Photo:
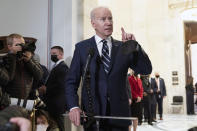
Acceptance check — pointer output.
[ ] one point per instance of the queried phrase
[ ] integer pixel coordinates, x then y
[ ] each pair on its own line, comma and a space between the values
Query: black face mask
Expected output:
157, 76
54, 58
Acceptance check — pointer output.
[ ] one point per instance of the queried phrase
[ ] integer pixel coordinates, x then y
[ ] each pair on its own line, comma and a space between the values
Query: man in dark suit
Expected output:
146, 98
55, 87
160, 92
108, 72
153, 101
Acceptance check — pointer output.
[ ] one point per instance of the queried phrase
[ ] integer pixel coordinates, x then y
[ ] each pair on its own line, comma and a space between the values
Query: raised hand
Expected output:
27, 55
126, 36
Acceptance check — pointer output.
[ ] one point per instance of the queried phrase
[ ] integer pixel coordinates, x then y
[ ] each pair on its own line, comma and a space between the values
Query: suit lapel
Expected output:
114, 51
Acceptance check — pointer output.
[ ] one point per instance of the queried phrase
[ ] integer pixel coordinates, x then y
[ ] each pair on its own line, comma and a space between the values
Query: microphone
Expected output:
86, 78
90, 55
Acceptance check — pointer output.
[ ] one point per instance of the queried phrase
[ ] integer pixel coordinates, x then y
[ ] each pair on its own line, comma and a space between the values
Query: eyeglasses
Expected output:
104, 19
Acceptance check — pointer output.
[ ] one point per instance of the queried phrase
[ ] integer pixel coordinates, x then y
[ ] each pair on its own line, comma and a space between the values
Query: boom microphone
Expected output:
90, 55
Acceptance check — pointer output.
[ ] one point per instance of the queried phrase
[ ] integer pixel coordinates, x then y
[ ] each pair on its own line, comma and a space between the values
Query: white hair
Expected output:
92, 13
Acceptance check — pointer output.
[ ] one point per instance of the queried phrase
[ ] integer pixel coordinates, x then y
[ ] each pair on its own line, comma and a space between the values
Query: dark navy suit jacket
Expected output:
161, 84
102, 85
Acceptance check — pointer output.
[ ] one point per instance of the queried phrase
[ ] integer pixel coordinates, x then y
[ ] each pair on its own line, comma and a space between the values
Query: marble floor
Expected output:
171, 122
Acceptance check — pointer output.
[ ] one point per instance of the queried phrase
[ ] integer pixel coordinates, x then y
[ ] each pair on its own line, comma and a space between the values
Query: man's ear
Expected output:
93, 23
61, 55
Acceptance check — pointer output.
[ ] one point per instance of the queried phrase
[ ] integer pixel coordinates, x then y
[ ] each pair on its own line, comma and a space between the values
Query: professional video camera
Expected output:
26, 47
9, 112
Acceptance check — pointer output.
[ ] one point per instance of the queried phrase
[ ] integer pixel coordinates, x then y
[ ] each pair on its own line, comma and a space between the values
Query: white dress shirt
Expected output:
99, 44
158, 82
54, 65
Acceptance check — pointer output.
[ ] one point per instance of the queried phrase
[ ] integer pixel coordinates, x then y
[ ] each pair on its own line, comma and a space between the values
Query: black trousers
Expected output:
153, 110
147, 108
159, 99
190, 102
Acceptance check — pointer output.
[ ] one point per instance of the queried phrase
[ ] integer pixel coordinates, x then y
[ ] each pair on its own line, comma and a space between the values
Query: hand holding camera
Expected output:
27, 55
24, 51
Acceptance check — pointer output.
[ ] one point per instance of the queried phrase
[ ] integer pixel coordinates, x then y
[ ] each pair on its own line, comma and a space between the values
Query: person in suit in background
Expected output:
160, 92
190, 95
146, 98
55, 87
108, 71
153, 101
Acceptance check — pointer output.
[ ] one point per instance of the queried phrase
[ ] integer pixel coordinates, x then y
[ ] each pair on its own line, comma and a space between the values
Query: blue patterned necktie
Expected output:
105, 56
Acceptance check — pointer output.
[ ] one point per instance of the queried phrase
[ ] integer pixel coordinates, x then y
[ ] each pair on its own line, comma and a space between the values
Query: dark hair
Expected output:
41, 112
59, 48
51, 122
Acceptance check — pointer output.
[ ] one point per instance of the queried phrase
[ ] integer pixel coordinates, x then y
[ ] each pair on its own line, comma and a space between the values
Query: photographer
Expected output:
23, 69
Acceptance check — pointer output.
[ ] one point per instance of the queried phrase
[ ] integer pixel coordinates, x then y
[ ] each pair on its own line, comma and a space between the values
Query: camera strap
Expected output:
25, 103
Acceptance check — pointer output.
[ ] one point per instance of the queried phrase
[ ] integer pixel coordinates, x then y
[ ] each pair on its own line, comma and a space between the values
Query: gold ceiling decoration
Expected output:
182, 4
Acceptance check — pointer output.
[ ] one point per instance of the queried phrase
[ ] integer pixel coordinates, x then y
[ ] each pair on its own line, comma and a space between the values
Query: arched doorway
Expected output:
190, 39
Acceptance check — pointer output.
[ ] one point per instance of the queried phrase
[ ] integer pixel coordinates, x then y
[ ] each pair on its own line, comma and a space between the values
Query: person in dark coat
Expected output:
146, 98
153, 101
160, 92
190, 95
55, 87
